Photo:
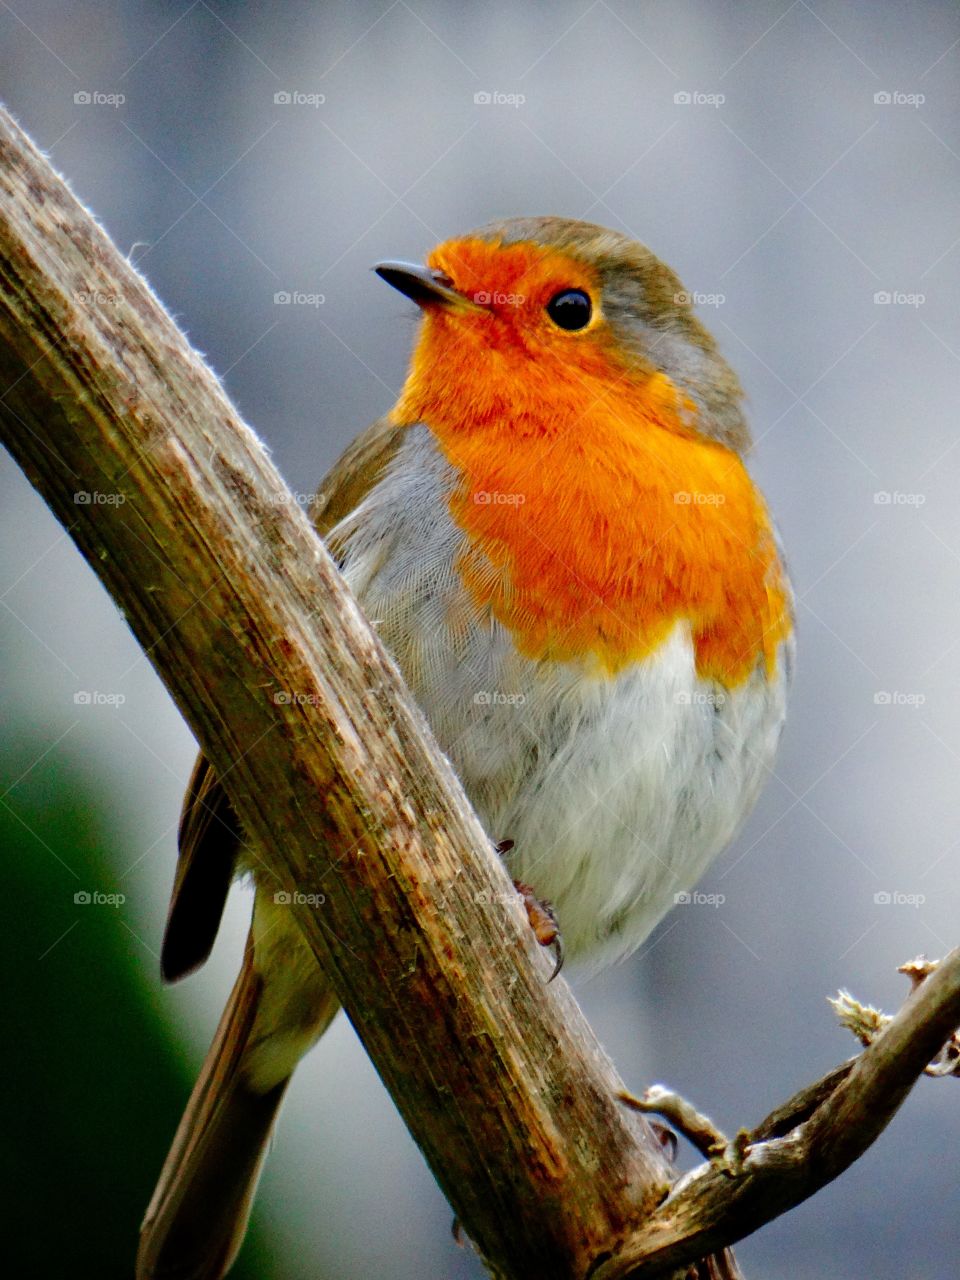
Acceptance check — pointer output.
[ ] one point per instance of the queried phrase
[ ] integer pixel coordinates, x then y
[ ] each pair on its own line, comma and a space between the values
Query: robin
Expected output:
556, 537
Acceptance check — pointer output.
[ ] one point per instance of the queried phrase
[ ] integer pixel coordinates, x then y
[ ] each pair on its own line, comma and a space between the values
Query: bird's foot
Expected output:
543, 922
542, 917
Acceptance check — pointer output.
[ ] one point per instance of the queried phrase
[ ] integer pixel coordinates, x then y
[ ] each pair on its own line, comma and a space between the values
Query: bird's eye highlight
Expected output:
570, 309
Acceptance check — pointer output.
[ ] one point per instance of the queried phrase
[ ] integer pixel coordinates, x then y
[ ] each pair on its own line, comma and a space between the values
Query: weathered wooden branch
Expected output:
175, 505
801, 1146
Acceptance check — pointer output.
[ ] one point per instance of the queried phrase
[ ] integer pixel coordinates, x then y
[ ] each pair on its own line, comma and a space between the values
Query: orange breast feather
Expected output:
596, 516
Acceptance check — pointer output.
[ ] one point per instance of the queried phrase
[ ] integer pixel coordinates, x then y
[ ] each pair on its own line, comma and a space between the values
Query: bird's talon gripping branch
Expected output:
542, 917
698, 1129
543, 921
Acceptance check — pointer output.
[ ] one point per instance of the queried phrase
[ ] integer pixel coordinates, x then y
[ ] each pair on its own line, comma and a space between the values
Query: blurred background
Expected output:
799, 165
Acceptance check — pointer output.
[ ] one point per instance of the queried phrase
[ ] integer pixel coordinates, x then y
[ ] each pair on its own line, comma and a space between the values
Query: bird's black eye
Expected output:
570, 309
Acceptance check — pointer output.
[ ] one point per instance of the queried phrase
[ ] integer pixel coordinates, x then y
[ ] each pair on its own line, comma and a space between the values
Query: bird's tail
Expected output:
196, 1221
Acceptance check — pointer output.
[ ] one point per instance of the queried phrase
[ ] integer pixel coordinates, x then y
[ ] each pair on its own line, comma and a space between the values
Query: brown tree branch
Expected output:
173, 502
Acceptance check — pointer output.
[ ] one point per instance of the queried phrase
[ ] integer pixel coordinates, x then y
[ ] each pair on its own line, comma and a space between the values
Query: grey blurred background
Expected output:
799, 165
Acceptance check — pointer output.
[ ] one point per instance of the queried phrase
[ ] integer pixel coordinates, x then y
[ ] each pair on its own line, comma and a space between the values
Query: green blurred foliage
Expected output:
94, 1085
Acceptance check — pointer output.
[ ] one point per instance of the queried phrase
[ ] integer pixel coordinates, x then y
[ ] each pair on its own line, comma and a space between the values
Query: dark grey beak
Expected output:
424, 286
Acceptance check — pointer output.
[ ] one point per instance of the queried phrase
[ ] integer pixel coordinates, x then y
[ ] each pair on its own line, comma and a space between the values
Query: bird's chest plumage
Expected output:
616, 786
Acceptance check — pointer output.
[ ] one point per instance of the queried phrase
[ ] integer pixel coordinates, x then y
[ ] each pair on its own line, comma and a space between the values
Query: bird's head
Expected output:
537, 322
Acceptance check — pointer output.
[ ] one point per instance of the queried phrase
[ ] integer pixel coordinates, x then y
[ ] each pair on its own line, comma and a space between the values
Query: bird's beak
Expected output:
424, 286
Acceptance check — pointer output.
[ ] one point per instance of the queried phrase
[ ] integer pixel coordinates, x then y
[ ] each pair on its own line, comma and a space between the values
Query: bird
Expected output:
556, 537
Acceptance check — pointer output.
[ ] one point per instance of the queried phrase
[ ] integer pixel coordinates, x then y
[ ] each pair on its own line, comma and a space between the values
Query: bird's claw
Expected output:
542, 917
543, 922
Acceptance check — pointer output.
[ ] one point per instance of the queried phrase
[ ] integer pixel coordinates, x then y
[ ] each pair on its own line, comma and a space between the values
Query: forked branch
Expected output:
802, 1145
